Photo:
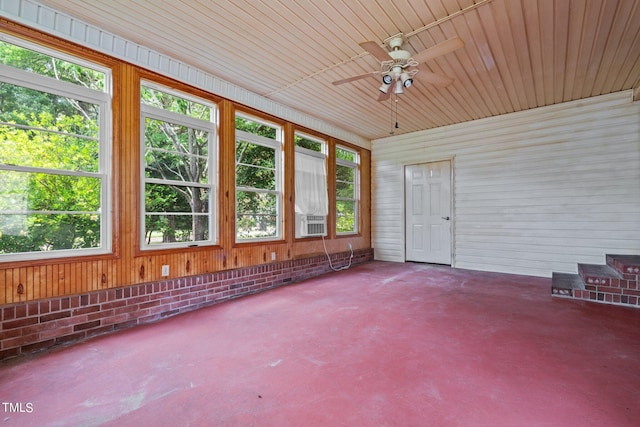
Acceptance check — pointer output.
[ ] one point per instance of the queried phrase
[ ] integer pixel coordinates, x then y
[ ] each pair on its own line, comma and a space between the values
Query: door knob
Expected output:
445, 218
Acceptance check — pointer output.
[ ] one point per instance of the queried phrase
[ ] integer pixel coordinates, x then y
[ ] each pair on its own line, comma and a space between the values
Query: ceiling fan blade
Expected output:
354, 78
439, 49
434, 79
384, 96
376, 50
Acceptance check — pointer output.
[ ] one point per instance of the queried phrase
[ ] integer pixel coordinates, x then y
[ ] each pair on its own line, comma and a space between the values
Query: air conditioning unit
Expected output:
313, 225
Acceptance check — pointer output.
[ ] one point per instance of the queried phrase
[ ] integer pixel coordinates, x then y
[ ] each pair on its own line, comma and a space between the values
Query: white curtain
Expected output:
311, 185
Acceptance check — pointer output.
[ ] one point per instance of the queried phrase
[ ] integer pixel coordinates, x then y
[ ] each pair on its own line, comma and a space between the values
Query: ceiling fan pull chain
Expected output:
396, 101
391, 117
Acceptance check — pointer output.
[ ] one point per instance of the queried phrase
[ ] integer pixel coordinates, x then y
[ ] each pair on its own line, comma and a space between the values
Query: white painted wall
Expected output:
534, 192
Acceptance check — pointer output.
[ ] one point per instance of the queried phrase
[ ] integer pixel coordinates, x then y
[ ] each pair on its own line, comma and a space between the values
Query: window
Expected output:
347, 162
258, 179
179, 149
55, 151
311, 200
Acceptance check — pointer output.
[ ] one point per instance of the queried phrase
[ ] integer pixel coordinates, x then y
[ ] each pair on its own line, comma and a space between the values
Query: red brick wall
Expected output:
38, 325
616, 291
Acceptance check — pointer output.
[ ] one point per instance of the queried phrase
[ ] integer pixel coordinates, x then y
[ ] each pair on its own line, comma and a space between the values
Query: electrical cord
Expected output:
344, 267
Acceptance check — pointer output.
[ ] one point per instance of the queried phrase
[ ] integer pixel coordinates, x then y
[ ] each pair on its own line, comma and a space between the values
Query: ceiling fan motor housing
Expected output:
400, 56
399, 60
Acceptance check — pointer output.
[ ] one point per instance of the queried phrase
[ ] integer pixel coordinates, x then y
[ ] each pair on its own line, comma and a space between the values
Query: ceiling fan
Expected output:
398, 67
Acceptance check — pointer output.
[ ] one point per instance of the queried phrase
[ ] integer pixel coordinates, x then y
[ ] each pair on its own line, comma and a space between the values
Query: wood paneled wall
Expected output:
128, 265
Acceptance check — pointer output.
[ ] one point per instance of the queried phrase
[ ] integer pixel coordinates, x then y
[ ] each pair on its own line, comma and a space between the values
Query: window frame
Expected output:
355, 165
277, 145
104, 99
322, 154
155, 113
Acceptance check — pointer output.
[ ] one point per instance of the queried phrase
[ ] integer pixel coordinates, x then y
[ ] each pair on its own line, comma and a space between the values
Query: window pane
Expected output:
176, 104
309, 144
345, 179
167, 228
45, 65
169, 201
343, 154
345, 216
255, 154
255, 166
176, 152
176, 198
45, 192
344, 190
256, 215
249, 176
177, 138
49, 150
43, 110
35, 232
345, 173
256, 127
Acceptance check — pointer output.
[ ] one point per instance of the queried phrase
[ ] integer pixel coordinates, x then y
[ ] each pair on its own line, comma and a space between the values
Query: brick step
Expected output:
625, 264
618, 282
599, 275
566, 284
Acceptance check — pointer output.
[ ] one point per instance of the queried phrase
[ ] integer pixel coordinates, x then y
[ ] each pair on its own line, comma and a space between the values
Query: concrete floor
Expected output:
382, 344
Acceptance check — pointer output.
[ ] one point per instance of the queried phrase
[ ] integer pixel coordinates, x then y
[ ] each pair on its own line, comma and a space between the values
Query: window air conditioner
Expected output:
314, 225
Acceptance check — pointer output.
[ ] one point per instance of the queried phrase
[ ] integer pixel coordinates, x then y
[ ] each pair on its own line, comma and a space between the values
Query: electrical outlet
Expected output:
273, 256
165, 270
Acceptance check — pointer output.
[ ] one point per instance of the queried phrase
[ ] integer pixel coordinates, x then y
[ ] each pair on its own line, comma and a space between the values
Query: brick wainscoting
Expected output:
39, 325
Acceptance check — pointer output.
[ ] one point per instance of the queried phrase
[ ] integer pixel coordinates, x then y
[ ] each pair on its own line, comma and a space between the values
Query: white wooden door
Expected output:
428, 212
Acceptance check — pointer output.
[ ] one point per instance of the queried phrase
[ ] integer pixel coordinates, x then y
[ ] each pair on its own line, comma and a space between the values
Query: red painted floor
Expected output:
382, 344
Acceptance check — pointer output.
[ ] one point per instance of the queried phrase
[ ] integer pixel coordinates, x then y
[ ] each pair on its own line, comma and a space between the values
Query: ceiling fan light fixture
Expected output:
398, 90
387, 79
385, 87
406, 80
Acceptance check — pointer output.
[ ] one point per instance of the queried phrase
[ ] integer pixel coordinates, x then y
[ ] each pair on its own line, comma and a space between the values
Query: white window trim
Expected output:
148, 111
317, 154
103, 99
356, 189
276, 144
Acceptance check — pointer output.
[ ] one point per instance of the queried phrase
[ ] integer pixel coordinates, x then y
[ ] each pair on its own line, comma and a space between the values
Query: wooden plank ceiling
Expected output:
518, 54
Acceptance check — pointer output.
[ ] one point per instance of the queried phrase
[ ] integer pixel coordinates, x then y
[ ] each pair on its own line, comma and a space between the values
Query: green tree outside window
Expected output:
51, 182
